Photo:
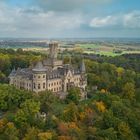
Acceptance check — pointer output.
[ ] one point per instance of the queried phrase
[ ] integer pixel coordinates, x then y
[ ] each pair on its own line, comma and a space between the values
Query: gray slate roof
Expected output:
53, 74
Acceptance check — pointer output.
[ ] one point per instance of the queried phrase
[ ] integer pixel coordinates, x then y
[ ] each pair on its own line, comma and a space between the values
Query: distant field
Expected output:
102, 53
108, 50
89, 46
101, 49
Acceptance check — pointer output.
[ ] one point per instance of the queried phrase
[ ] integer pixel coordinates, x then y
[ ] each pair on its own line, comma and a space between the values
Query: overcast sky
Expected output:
69, 18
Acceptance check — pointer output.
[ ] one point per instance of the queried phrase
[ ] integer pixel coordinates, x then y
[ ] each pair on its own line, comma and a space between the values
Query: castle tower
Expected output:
53, 50
83, 75
52, 62
39, 78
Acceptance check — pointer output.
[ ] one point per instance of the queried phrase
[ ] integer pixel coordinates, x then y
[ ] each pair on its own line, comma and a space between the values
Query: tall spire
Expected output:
83, 68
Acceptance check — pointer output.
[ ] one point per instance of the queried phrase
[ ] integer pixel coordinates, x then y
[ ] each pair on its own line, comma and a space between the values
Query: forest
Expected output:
110, 112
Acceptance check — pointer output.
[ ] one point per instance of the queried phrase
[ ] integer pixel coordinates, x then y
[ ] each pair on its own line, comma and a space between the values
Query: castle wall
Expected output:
21, 83
54, 85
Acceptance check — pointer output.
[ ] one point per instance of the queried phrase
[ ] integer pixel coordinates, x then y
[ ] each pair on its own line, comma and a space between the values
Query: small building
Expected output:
50, 74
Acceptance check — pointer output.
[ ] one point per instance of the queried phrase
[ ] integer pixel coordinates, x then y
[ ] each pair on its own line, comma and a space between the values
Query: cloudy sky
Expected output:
69, 18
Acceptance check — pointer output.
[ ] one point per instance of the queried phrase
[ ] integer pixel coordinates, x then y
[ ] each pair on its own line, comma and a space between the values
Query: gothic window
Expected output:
38, 86
38, 77
43, 85
43, 76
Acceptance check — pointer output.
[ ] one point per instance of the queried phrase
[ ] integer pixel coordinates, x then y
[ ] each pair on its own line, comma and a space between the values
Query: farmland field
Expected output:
108, 50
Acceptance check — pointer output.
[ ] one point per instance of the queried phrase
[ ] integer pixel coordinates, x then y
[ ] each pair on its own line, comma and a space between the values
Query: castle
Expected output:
50, 74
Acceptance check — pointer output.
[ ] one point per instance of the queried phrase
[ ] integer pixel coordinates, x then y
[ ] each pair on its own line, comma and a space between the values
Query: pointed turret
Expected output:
13, 72
83, 68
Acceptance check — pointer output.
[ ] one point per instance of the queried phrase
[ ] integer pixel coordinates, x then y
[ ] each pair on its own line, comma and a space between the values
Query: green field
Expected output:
107, 50
89, 46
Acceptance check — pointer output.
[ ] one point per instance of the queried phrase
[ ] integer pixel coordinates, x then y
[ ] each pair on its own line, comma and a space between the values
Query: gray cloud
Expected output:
68, 5
35, 22
126, 20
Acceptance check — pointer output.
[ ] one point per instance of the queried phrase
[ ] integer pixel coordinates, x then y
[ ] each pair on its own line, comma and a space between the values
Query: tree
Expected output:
129, 91
101, 106
70, 113
27, 113
109, 120
11, 98
125, 131
73, 95
45, 136
32, 134
120, 71
107, 134
8, 131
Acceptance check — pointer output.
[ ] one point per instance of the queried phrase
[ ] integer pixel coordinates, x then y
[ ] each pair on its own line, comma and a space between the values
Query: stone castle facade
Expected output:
50, 74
